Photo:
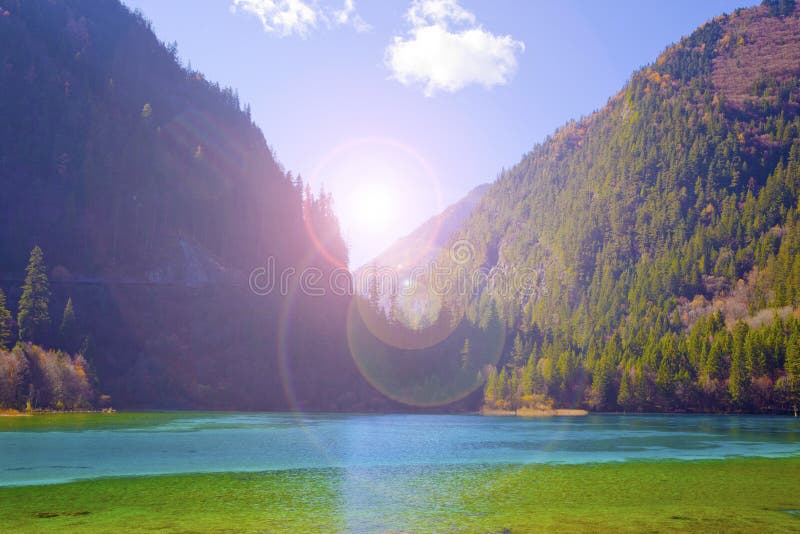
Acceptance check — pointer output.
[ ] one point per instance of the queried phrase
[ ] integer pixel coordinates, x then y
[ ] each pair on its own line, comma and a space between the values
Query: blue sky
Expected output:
400, 107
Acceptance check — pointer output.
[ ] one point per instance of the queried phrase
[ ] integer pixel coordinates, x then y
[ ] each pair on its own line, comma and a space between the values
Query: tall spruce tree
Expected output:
68, 338
33, 317
5, 322
739, 380
466, 355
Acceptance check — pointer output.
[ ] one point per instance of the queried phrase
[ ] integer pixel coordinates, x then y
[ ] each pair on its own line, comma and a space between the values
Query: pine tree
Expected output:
792, 365
489, 391
513, 390
625, 398
33, 317
739, 381
68, 331
5, 322
639, 387
793, 370
527, 380
602, 385
539, 383
779, 8
713, 365
466, 359
501, 387
754, 354
518, 352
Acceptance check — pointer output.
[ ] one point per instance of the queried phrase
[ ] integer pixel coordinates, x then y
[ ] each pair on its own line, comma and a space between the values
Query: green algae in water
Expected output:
748, 495
79, 422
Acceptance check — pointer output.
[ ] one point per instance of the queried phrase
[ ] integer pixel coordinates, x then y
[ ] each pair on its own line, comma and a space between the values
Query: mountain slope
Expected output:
675, 201
154, 196
107, 136
425, 243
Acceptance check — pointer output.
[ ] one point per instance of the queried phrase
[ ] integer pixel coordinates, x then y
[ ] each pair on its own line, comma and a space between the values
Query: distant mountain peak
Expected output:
425, 242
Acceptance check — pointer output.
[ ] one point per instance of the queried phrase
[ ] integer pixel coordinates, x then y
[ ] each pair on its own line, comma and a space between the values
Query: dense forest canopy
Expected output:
663, 231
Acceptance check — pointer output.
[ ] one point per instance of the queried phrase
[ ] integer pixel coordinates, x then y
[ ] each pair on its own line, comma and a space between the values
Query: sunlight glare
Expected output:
373, 206
382, 191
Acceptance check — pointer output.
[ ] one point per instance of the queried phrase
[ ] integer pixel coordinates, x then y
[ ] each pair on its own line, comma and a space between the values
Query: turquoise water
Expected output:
51, 449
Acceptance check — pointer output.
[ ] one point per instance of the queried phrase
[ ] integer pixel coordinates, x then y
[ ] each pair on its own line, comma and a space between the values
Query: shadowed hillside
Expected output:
154, 196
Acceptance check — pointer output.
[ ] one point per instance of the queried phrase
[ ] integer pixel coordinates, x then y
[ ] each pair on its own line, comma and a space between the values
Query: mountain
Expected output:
425, 243
646, 257
660, 236
155, 197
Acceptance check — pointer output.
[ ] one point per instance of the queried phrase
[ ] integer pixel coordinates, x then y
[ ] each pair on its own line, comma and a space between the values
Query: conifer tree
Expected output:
739, 381
466, 358
624, 398
793, 357
33, 317
68, 331
513, 390
526, 383
518, 352
501, 386
490, 389
5, 322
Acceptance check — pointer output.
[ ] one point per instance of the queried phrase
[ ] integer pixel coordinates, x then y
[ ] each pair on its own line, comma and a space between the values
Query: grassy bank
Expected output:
746, 495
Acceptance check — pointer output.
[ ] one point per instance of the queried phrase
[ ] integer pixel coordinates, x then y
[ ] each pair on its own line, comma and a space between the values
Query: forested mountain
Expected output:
153, 197
659, 238
663, 236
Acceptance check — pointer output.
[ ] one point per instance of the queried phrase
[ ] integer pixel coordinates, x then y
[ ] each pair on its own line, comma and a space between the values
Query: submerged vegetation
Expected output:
753, 495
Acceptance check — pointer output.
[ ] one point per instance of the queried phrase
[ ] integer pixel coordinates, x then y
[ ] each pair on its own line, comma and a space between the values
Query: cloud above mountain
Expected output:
445, 49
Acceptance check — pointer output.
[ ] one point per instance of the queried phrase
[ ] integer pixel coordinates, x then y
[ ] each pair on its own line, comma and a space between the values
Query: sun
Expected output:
381, 189
373, 205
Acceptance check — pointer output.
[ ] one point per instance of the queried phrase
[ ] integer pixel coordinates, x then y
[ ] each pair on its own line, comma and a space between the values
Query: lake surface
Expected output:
60, 448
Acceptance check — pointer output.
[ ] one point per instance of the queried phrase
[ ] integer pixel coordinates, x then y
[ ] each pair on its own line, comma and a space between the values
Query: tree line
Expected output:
32, 376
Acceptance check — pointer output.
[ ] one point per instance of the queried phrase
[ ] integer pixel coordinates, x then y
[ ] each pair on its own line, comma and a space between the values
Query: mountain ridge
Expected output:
639, 217
423, 243
154, 197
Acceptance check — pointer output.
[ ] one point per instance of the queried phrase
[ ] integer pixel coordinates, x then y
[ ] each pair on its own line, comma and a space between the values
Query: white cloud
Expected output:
289, 17
423, 12
446, 49
348, 16
284, 17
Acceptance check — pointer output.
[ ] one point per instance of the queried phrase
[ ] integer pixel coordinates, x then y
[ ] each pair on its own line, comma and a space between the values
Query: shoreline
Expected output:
534, 412
13, 413
19, 413
483, 411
